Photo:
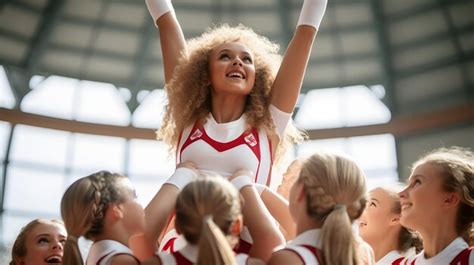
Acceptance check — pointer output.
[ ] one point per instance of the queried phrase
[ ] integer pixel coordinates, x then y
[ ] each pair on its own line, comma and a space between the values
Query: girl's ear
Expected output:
236, 227
114, 212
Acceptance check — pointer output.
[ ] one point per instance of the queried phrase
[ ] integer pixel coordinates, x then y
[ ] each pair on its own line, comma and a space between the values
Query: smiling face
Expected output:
378, 217
423, 200
232, 69
44, 244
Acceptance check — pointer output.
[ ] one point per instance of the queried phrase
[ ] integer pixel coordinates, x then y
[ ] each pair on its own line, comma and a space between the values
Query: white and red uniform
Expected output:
456, 253
307, 246
392, 258
102, 251
224, 148
188, 255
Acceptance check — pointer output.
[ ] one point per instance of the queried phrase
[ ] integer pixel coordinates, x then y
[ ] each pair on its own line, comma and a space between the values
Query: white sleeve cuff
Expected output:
280, 119
260, 188
312, 13
241, 182
181, 177
158, 8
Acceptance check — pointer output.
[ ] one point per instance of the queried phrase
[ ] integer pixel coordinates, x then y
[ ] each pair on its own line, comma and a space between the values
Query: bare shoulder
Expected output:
283, 257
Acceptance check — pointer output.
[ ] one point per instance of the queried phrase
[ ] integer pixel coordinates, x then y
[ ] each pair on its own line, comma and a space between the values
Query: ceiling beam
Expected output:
398, 126
38, 44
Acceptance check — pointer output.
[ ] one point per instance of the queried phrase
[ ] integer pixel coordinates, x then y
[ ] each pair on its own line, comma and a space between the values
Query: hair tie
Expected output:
340, 206
71, 238
207, 218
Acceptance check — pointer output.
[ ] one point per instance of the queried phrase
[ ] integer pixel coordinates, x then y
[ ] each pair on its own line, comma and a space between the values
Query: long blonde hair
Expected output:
456, 166
336, 195
83, 208
206, 210
189, 96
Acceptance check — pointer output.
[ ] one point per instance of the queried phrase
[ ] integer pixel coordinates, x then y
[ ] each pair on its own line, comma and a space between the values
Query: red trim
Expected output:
123, 253
463, 257
103, 257
219, 146
296, 252
269, 177
243, 247
180, 259
177, 149
169, 245
398, 261
315, 252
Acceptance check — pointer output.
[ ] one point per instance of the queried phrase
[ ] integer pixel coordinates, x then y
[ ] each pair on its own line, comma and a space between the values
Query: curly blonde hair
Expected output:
189, 96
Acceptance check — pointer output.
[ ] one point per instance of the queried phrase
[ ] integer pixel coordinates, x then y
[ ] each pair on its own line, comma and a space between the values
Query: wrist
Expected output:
158, 8
241, 182
181, 177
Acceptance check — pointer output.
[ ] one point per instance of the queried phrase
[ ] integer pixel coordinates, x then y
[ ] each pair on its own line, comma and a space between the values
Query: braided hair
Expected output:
83, 209
335, 192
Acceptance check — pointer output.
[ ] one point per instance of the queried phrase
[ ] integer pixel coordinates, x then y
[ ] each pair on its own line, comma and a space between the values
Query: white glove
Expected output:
312, 13
158, 8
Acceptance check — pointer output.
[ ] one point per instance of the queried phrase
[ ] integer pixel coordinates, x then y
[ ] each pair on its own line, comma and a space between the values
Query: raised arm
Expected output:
173, 44
264, 231
161, 207
287, 85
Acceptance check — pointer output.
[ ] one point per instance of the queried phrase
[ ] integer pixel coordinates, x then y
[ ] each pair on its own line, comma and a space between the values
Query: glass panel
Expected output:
7, 98
94, 153
148, 157
5, 129
38, 145
339, 107
146, 188
52, 97
374, 151
375, 154
102, 103
307, 148
41, 191
150, 112
362, 107
11, 226
321, 108
386, 178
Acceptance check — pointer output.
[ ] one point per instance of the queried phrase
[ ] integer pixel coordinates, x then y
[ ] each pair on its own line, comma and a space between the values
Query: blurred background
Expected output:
81, 89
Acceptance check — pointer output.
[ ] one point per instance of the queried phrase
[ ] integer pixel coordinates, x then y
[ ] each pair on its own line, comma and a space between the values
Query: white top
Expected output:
390, 258
224, 148
102, 251
446, 256
190, 253
308, 238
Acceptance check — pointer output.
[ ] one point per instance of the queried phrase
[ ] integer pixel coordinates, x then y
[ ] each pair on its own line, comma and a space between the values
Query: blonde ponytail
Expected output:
337, 238
206, 210
72, 255
214, 248
335, 196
